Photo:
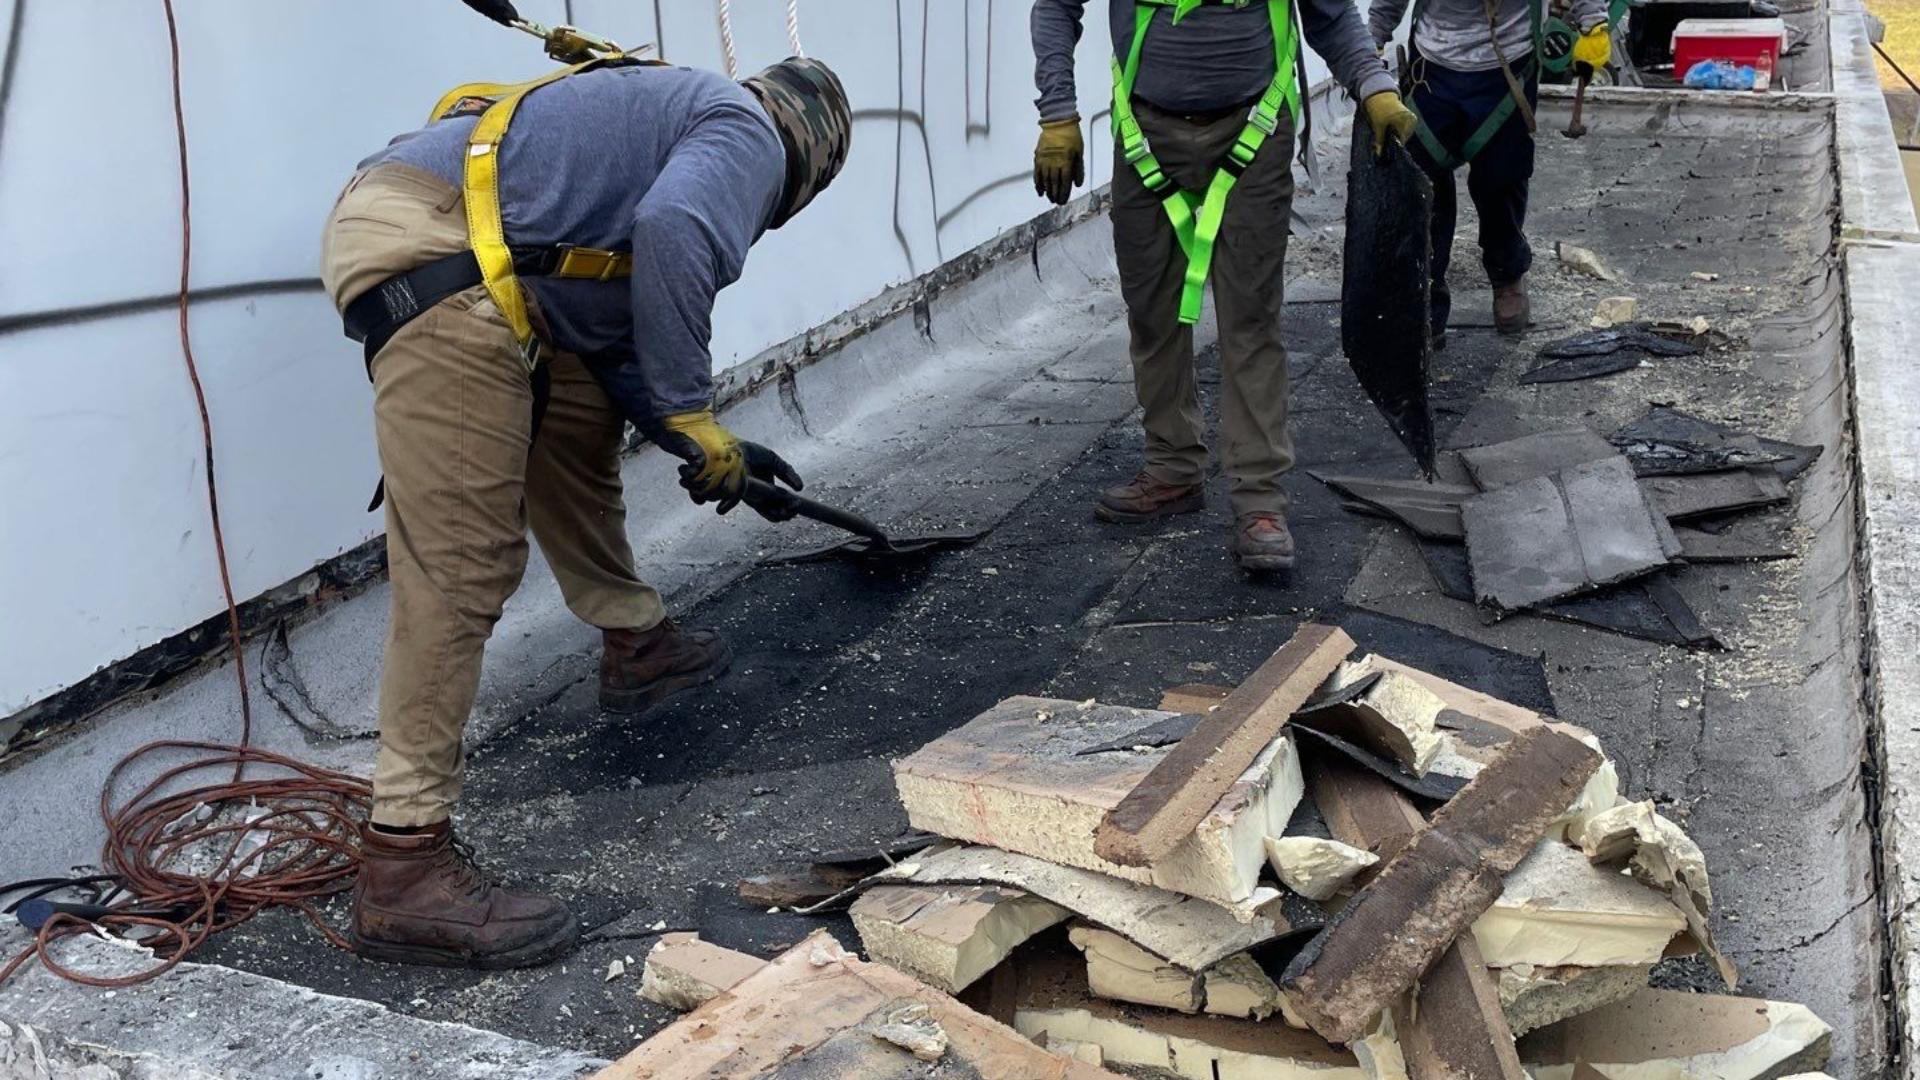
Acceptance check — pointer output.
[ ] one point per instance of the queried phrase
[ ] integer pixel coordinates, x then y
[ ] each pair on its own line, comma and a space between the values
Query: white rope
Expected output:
793, 29
726, 40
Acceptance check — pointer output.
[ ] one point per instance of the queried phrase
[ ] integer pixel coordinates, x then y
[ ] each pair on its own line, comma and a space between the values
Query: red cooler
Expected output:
1755, 43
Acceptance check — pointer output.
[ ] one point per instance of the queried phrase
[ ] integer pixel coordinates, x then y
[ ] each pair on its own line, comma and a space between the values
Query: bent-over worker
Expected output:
525, 284
1205, 101
1476, 80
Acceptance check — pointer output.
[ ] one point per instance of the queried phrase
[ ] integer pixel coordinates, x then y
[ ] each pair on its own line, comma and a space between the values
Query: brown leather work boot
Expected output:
1261, 542
641, 668
421, 900
1512, 311
1145, 499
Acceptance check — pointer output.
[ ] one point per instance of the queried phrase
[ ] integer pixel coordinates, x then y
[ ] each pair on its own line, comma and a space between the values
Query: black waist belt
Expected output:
377, 314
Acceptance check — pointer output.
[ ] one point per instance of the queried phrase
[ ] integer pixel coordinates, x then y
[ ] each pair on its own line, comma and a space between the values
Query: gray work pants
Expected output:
1247, 280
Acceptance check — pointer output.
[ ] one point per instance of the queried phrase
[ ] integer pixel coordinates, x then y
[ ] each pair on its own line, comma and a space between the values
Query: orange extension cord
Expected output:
306, 818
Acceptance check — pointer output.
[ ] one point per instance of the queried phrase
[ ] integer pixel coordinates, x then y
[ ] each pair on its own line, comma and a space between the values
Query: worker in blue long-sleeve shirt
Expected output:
528, 272
1205, 100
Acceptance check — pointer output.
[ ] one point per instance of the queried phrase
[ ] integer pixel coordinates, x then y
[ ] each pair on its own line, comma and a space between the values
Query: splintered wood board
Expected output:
1165, 807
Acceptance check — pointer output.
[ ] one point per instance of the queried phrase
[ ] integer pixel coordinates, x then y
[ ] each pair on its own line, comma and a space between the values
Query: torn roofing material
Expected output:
1553, 537
1430, 508
1385, 300
1666, 441
1501, 464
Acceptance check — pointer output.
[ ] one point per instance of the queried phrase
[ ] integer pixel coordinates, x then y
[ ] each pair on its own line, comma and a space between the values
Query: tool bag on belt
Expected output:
1196, 218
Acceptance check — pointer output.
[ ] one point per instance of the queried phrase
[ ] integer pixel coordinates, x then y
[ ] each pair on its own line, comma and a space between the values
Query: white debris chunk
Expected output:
1379, 1052
912, 1028
1237, 986
1614, 310
1584, 261
1314, 867
1533, 997
948, 936
1119, 970
1557, 909
1663, 857
1601, 794
683, 972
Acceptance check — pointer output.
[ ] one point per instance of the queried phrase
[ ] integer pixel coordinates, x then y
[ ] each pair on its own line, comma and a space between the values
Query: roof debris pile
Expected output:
1571, 525
1344, 868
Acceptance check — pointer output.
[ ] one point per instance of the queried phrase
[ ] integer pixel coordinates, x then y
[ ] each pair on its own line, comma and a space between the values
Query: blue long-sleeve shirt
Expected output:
1218, 56
681, 167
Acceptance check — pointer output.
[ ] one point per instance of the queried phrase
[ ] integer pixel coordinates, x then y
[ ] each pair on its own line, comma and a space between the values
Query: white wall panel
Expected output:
104, 546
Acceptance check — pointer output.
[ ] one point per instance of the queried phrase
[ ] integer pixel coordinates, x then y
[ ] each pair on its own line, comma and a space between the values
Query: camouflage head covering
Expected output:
809, 108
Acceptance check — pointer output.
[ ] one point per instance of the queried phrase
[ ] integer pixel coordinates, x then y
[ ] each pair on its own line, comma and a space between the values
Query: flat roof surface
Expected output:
1755, 749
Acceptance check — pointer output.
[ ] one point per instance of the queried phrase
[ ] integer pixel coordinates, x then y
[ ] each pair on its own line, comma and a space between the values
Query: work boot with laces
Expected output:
641, 668
1261, 541
421, 900
1144, 498
1512, 311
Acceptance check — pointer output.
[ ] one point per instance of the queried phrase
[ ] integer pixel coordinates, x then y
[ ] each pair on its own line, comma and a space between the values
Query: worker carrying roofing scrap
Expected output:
1206, 95
1475, 72
525, 283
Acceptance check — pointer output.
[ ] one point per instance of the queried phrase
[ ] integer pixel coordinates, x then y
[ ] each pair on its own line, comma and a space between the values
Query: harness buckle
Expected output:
530, 352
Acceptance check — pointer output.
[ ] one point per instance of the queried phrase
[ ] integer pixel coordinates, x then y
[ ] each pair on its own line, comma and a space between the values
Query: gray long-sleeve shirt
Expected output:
681, 167
1455, 33
1217, 57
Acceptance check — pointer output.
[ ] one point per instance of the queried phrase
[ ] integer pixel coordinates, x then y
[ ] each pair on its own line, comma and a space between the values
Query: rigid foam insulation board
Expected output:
1054, 1005
1014, 778
1558, 909
1535, 997
793, 1017
1119, 970
1671, 1035
682, 972
948, 935
1192, 933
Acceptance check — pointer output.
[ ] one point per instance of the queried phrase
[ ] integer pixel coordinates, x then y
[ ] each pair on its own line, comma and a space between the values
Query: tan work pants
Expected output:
1247, 281
453, 412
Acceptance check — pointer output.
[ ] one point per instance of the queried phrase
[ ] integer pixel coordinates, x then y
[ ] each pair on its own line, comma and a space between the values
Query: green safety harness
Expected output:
1196, 218
1496, 119
1553, 40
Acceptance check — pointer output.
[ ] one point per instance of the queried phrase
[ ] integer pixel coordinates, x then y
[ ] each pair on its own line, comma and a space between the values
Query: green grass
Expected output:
1903, 39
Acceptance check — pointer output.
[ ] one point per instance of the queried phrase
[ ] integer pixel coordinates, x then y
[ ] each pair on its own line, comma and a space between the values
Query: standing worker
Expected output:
521, 293
1205, 101
1476, 80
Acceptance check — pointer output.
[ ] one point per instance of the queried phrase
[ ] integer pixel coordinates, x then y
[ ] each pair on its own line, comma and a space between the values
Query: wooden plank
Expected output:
1455, 1030
1165, 807
797, 1006
1434, 889
1459, 1025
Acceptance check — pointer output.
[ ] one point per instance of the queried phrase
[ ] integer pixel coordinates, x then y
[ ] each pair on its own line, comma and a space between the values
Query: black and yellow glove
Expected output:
1059, 160
1388, 115
718, 464
1595, 46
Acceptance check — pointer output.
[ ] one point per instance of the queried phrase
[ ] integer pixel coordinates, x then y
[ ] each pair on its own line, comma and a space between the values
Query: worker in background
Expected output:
626, 197
1476, 79
1205, 102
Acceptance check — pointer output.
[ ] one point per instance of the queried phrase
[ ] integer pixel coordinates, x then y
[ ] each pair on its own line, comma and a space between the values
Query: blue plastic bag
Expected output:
1720, 75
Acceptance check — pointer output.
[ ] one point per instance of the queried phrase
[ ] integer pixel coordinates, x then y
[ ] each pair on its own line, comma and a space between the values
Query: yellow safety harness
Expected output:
486, 234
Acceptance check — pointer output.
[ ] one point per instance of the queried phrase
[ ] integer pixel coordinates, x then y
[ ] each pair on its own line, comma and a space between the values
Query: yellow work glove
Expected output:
1059, 160
1595, 47
1388, 115
718, 464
